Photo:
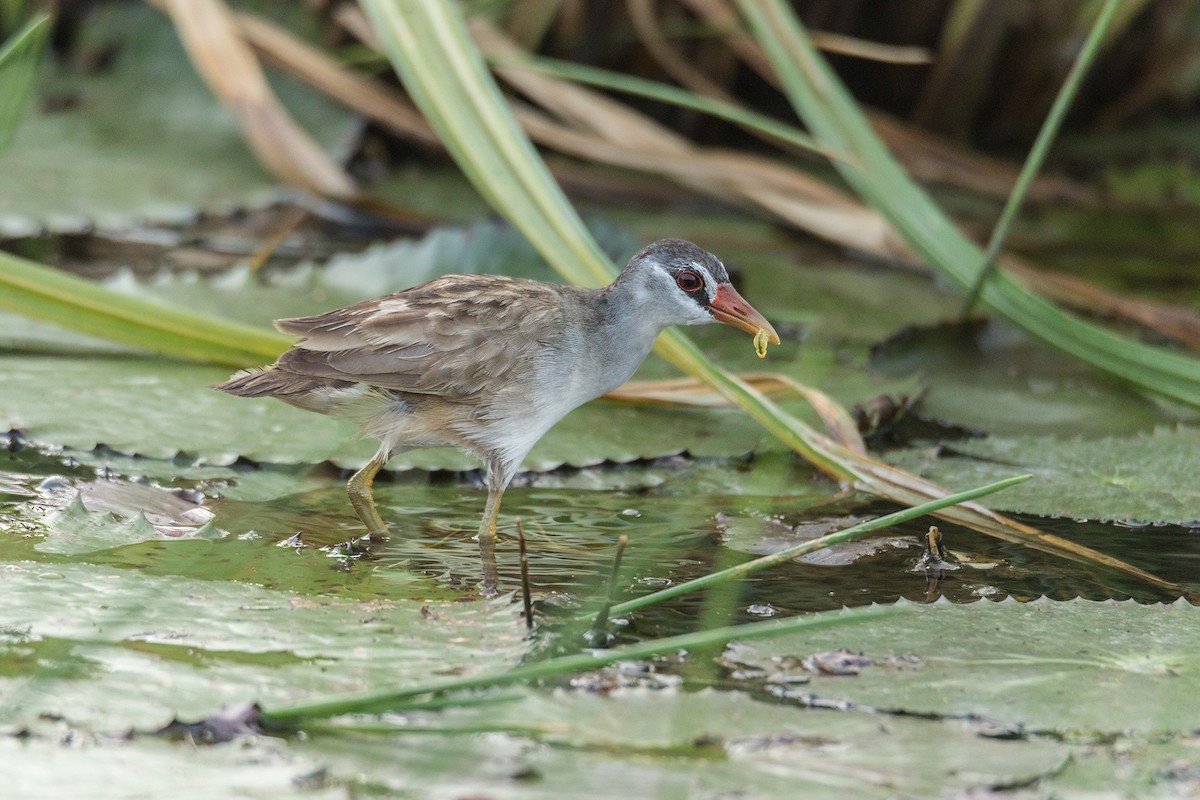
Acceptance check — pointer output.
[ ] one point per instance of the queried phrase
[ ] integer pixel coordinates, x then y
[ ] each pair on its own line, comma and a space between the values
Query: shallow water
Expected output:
677, 530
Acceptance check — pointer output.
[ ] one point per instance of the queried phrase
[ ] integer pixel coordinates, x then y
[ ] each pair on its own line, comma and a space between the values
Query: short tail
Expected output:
275, 382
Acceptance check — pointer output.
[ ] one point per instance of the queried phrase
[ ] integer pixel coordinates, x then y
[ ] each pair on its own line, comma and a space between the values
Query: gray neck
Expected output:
624, 329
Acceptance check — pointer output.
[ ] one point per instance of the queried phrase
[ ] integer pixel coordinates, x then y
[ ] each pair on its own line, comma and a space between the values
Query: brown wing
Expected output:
453, 337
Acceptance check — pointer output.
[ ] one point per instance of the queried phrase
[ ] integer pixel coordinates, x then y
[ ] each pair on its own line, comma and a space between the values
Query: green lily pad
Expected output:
991, 377
107, 768
99, 148
640, 742
1063, 667
1149, 477
104, 514
138, 650
483, 248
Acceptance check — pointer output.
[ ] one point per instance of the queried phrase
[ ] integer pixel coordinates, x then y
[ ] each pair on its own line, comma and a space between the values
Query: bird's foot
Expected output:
379, 534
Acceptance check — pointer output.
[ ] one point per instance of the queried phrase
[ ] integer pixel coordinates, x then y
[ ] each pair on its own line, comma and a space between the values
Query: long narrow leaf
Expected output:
811, 546
40, 292
18, 67
379, 702
654, 90
832, 115
1041, 147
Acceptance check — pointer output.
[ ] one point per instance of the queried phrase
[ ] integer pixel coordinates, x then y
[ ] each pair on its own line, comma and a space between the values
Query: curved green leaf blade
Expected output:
654, 90
1041, 147
833, 116
18, 66
37, 291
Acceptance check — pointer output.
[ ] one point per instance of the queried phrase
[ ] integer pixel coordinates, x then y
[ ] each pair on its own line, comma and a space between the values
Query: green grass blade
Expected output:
18, 67
443, 73
783, 556
654, 90
393, 700
40, 292
835, 119
1041, 146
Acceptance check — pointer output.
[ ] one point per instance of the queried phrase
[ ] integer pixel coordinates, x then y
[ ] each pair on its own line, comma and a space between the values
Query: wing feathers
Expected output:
452, 337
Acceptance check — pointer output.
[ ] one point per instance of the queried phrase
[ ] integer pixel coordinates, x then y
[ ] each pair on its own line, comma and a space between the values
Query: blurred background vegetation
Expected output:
957, 89
177, 173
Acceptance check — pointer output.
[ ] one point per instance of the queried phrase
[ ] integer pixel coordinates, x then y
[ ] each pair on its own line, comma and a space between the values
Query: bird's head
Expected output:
683, 284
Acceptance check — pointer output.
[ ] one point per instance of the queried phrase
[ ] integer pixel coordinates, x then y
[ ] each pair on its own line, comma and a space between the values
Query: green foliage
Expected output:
140, 137
1075, 668
1149, 477
18, 67
34, 290
837, 122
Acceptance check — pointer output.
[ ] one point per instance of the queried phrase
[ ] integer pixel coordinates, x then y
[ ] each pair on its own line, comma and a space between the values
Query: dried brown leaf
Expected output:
928, 157
693, 392
211, 38
369, 97
623, 137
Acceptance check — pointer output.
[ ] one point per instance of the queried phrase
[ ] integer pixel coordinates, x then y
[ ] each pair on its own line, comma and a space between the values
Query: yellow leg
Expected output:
362, 497
487, 541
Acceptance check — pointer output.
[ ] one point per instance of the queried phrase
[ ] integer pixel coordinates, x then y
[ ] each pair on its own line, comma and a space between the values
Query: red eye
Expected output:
689, 281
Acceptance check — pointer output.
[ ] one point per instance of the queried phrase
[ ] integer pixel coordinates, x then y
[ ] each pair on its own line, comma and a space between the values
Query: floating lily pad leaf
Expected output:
488, 248
110, 768
106, 514
991, 377
160, 409
1064, 667
160, 647
584, 745
141, 135
241, 482
1149, 477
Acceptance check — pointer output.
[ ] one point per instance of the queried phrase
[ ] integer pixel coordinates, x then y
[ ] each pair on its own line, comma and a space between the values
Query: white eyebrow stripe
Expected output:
710, 280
